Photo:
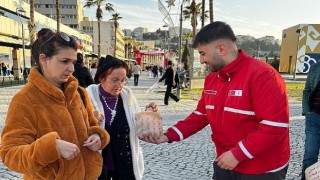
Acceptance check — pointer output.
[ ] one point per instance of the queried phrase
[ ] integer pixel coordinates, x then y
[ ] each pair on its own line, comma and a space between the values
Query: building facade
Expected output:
14, 17
300, 48
138, 32
71, 11
108, 39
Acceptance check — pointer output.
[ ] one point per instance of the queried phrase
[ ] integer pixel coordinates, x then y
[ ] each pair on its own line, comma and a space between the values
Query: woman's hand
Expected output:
93, 142
152, 107
67, 150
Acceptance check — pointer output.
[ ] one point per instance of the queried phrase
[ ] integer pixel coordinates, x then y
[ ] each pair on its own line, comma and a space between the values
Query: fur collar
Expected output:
70, 87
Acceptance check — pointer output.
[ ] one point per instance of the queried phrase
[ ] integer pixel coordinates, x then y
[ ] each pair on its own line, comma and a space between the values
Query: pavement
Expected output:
186, 160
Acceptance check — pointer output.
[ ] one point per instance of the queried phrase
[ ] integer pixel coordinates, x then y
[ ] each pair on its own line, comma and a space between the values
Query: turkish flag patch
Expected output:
235, 93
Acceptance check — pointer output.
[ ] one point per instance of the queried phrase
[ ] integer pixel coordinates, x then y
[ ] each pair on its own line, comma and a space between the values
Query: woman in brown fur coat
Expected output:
49, 132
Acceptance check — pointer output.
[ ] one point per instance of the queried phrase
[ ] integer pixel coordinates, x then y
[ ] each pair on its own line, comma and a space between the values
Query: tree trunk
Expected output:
211, 10
99, 39
193, 18
203, 12
58, 15
32, 29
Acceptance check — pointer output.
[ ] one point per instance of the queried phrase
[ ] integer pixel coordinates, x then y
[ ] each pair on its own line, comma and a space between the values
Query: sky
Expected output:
246, 17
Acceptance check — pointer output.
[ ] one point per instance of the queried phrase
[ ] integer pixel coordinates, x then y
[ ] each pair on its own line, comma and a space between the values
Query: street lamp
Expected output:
19, 11
165, 42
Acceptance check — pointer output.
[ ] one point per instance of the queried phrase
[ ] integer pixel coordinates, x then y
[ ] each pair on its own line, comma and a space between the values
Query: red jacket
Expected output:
246, 105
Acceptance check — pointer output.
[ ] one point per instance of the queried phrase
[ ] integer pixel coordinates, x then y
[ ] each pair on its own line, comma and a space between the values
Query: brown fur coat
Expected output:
39, 114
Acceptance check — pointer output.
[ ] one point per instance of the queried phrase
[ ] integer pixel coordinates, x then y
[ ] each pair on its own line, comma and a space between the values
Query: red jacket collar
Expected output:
229, 71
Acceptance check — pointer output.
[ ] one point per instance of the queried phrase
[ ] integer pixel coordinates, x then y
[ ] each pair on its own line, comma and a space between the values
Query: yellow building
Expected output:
300, 48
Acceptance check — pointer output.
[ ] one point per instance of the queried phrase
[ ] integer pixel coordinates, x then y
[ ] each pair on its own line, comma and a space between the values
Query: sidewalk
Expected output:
187, 160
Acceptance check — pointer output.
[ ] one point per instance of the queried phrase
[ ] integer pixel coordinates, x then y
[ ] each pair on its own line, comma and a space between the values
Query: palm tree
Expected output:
58, 15
203, 12
185, 58
31, 27
193, 12
193, 9
99, 15
211, 10
115, 18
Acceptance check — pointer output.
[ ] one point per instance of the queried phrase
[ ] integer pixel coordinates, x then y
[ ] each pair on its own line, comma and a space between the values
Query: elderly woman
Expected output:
49, 133
122, 158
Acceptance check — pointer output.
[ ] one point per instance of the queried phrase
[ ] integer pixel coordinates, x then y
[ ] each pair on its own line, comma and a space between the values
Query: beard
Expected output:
216, 64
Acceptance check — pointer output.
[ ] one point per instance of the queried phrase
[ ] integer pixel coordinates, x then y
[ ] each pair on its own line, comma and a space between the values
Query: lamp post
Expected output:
165, 42
180, 47
21, 10
258, 52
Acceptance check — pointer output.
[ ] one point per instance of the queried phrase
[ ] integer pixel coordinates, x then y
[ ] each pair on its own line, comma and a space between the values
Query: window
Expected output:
284, 35
74, 26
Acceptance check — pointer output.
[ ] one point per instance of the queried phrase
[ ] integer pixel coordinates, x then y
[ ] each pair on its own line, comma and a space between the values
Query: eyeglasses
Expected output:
63, 36
118, 81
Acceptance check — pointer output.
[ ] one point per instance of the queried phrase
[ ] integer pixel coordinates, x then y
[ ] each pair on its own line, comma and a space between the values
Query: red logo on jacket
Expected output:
235, 93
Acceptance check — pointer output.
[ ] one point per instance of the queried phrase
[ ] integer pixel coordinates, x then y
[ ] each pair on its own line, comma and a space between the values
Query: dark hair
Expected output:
214, 31
79, 58
169, 62
107, 65
94, 65
49, 43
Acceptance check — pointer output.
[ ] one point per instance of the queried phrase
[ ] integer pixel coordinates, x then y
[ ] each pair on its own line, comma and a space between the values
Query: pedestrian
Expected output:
161, 70
4, 69
182, 79
93, 69
311, 111
122, 158
81, 72
129, 74
136, 73
49, 133
155, 71
170, 80
245, 103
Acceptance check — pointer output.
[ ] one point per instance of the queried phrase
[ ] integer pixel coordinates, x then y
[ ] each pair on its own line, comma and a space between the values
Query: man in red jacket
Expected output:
245, 103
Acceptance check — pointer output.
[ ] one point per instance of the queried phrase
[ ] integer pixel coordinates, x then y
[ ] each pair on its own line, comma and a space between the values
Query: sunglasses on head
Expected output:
62, 35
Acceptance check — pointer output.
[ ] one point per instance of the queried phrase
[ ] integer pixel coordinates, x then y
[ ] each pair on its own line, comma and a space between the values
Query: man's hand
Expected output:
155, 139
152, 107
67, 150
93, 142
227, 161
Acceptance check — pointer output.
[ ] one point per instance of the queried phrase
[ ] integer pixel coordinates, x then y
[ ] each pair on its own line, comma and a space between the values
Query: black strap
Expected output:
82, 97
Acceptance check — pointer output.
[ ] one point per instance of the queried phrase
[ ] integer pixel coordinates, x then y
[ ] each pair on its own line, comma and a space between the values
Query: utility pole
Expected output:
24, 74
258, 51
180, 47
